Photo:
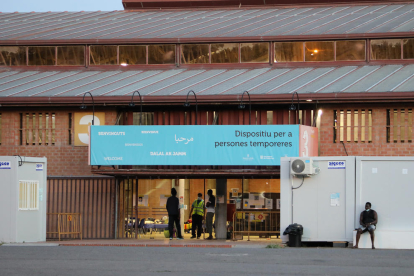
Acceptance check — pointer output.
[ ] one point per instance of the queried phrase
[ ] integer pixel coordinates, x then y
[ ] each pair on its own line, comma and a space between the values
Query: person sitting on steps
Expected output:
368, 220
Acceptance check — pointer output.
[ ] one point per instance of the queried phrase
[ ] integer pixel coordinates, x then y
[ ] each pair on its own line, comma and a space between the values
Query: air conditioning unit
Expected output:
302, 166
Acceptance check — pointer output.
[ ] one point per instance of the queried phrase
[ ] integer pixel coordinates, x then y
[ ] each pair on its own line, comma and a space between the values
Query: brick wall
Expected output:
378, 146
63, 159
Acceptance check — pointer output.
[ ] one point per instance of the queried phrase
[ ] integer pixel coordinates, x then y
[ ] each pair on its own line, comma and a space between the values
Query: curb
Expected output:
153, 245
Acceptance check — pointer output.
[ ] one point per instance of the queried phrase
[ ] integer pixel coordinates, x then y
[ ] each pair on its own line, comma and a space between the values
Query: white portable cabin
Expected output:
325, 203
22, 199
329, 203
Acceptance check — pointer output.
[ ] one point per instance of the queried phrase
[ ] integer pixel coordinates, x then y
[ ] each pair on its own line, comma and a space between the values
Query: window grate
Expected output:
28, 195
352, 126
399, 127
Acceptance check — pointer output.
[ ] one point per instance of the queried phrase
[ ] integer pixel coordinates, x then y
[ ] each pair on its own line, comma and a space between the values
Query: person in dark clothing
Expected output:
173, 209
211, 203
368, 220
197, 215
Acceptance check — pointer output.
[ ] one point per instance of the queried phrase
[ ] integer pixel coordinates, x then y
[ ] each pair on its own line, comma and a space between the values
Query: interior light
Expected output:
308, 100
124, 64
315, 51
320, 112
312, 54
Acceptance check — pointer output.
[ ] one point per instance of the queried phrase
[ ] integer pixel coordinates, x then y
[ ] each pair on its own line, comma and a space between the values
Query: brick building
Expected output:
351, 65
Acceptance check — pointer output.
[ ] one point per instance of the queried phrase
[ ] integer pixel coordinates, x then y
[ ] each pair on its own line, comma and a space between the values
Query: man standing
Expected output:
173, 209
211, 203
197, 215
368, 220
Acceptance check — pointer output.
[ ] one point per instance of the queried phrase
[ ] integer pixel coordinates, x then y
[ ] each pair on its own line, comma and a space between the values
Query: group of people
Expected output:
199, 211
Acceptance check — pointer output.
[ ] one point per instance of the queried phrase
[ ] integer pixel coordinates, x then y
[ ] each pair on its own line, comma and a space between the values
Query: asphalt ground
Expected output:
148, 261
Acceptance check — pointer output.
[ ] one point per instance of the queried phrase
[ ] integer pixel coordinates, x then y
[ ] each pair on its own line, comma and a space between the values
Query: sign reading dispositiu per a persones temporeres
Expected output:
259, 145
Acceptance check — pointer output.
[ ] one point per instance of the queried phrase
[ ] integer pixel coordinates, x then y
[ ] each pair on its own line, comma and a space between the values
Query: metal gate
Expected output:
92, 197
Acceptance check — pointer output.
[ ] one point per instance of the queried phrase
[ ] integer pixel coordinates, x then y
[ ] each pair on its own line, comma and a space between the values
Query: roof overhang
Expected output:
370, 97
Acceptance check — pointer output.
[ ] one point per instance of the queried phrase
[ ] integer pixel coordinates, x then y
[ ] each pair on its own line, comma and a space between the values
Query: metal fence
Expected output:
68, 224
256, 223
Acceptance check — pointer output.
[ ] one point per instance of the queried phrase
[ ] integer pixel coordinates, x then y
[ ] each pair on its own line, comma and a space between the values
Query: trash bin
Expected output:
295, 232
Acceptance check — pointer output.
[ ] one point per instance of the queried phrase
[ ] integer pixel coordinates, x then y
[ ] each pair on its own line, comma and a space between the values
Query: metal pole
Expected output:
116, 208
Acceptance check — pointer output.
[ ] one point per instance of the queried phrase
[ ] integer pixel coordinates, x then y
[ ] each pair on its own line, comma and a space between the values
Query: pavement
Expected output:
160, 242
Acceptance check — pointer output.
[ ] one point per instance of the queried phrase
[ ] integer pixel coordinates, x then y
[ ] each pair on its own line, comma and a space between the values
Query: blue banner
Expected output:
226, 145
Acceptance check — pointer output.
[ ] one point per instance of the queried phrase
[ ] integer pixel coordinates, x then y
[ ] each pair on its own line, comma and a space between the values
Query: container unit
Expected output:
388, 184
22, 199
322, 201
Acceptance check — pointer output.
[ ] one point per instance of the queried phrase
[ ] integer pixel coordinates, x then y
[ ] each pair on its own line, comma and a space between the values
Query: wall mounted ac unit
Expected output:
302, 166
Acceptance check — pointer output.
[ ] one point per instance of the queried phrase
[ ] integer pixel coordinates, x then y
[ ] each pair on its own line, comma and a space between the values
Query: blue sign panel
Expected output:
241, 145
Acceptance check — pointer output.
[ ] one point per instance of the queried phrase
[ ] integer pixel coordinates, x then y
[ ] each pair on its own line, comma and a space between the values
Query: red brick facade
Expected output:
378, 146
70, 160
63, 159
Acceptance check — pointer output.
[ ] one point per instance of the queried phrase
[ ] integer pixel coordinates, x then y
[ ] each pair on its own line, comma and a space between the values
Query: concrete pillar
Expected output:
221, 209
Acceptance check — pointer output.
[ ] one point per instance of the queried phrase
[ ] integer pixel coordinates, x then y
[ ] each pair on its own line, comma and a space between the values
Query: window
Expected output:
36, 128
195, 53
288, 51
225, 53
399, 125
103, 55
255, 52
350, 50
147, 118
71, 55
357, 121
408, 48
319, 51
161, 54
131, 55
12, 55
42, 55
269, 117
28, 195
386, 49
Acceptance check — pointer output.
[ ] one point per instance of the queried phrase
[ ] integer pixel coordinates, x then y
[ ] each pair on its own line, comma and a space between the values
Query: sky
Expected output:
59, 5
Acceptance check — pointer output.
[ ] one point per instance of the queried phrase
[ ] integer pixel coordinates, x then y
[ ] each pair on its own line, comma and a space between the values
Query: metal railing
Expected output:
67, 224
256, 223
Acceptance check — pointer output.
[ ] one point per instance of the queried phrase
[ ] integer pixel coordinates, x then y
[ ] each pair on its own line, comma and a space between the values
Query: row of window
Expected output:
349, 125
342, 50
356, 126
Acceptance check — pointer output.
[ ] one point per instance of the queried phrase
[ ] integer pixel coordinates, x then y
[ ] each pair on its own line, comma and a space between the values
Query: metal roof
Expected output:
190, 25
206, 82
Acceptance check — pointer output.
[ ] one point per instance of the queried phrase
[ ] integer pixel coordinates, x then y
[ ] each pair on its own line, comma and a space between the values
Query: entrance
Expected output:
251, 207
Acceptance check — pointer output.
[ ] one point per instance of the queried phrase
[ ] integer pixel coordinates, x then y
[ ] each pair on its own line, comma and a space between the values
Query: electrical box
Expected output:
323, 203
22, 199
